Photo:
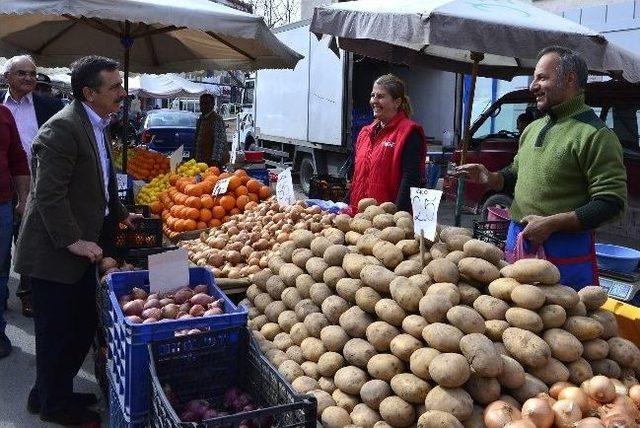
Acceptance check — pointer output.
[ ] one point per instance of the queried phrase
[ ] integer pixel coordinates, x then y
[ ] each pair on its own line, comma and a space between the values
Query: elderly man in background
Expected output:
211, 137
30, 111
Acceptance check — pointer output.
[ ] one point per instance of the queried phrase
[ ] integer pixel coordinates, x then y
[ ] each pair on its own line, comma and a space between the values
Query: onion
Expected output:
538, 411
601, 388
522, 423
566, 413
589, 422
546, 397
499, 413
623, 403
555, 389
634, 394
577, 397
620, 387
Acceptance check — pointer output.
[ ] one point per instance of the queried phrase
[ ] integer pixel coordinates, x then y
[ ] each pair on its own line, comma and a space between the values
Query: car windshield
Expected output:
504, 121
172, 119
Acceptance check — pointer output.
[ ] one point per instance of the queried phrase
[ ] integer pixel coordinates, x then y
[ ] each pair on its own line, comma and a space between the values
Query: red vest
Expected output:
378, 160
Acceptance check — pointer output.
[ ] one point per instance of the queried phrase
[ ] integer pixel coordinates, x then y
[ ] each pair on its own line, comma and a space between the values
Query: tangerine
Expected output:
241, 190
190, 224
234, 182
264, 192
205, 214
253, 197
242, 201
207, 201
178, 226
201, 225
193, 213
214, 222
218, 212
253, 186
240, 172
227, 202
194, 202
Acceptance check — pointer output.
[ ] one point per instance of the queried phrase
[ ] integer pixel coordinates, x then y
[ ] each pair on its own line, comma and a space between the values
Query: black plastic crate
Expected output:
494, 232
205, 365
146, 233
327, 188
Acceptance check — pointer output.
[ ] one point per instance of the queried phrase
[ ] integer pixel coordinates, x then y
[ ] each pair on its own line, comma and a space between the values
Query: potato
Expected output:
303, 285
380, 334
468, 294
490, 308
483, 390
447, 289
526, 347
392, 234
329, 363
275, 286
269, 330
384, 366
358, 352
335, 417
353, 264
334, 306
495, 328
360, 225
438, 251
301, 256
274, 309
443, 337
276, 356
466, 319
290, 370
438, 419
302, 238
501, 288
347, 288
355, 322
304, 308
483, 250
420, 360
323, 399
334, 254
294, 353
298, 333
530, 271
408, 268
561, 295
258, 322
261, 301
388, 254
579, 371
304, 384
344, 400
319, 292
455, 256
366, 299
350, 379
363, 416
525, 319
388, 310
564, 345
531, 387
315, 322
312, 349
275, 263
291, 297
389, 207
578, 309
335, 236
408, 297
409, 247
260, 278
332, 275
455, 242
327, 385
512, 375
282, 341
551, 373
380, 221
553, 316
528, 297
608, 321
403, 345
319, 245
624, 352
455, 401
584, 328
422, 281
316, 266
448, 231
333, 338
450, 370
341, 221
442, 270
606, 367
593, 297
595, 349
414, 324
252, 291
288, 274
374, 391
477, 269
397, 412
410, 388
366, 243
364, 203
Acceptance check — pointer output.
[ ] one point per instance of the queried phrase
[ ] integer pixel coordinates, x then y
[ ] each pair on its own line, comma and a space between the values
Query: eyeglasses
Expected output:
25, 73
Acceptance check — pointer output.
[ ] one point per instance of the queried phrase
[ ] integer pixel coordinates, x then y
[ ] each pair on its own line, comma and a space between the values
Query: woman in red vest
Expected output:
390, 152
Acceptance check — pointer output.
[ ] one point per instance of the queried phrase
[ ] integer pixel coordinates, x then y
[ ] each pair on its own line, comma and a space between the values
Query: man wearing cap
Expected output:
30, 111
43, 85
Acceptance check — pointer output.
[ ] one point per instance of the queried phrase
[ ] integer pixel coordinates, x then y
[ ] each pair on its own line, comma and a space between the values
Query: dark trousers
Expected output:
65, 319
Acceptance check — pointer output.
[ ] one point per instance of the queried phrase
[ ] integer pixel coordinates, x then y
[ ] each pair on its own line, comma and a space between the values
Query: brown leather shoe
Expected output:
27, 310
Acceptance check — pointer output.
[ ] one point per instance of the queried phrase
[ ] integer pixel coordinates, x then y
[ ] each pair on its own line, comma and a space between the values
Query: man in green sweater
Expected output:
568, 176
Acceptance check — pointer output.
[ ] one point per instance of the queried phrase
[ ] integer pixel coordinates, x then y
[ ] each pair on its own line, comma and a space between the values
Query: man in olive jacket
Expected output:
73, 202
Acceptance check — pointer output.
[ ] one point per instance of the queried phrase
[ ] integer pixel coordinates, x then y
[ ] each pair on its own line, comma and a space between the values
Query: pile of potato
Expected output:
350, 315
239, 247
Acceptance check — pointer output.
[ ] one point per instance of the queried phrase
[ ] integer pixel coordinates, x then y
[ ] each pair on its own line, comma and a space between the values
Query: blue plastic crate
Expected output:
261, 175
205, 365
128, 356
116, 417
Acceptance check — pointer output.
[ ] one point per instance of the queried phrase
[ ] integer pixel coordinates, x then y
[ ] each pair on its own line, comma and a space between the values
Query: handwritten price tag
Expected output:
123, 181
284, 188
221, 187
425, 204
176, 158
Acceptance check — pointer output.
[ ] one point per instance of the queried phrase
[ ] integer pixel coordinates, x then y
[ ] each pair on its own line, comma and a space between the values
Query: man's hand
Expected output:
87, 249
538, 228
476, 172
129, 220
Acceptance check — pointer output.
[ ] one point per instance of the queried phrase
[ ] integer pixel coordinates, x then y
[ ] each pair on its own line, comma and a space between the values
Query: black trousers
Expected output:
65, 318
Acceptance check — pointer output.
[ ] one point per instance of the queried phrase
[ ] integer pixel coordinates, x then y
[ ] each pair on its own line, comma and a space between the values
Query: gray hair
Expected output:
11, 62
570, 62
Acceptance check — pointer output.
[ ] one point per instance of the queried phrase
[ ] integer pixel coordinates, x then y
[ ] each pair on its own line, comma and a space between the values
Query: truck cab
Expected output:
495, 137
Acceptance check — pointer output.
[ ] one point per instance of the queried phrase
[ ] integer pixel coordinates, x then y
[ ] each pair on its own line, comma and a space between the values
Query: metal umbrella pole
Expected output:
476, 57
127, 42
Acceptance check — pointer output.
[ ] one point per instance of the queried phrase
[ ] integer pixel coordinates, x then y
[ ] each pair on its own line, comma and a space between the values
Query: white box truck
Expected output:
308, 118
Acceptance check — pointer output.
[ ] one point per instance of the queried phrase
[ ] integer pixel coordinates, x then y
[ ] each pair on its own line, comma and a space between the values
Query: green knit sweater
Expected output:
566, 159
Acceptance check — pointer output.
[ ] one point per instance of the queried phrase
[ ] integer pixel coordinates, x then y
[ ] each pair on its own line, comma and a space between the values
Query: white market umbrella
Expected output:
168, 86
482, 37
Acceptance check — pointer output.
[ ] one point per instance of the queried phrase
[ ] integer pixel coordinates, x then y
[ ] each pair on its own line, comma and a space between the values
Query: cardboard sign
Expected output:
176, 158
168, 271
221, 187
284, 188
425, 204
123, 181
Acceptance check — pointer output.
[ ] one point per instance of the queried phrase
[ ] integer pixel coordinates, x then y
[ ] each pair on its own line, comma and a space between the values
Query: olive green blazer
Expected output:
67, 200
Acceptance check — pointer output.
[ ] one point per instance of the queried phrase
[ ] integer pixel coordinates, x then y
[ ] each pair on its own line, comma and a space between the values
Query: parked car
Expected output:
165, 130
495, 143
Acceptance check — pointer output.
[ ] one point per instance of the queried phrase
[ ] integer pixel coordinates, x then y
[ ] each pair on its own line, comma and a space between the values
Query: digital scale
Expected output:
620, 286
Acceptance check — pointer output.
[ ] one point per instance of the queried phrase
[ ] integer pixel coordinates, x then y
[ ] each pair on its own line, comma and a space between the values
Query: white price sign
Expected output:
123, 181
234, 151
425, 204
284, 188
168, 271
176, 158
221, 187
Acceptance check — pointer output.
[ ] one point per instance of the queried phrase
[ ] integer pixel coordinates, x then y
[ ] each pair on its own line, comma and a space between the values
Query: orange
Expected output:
179, 225
253, 197
215, 170
171, 222
241, 190
264, 193
192, 190
240, 172
224, 175
207, 187
214, 222
227, 202
174, 210
201, 225
205, 214
190, 224
218, 212
193, 213
234, 182
253, 186
207, 201
242, 201
245, 179
194, 202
